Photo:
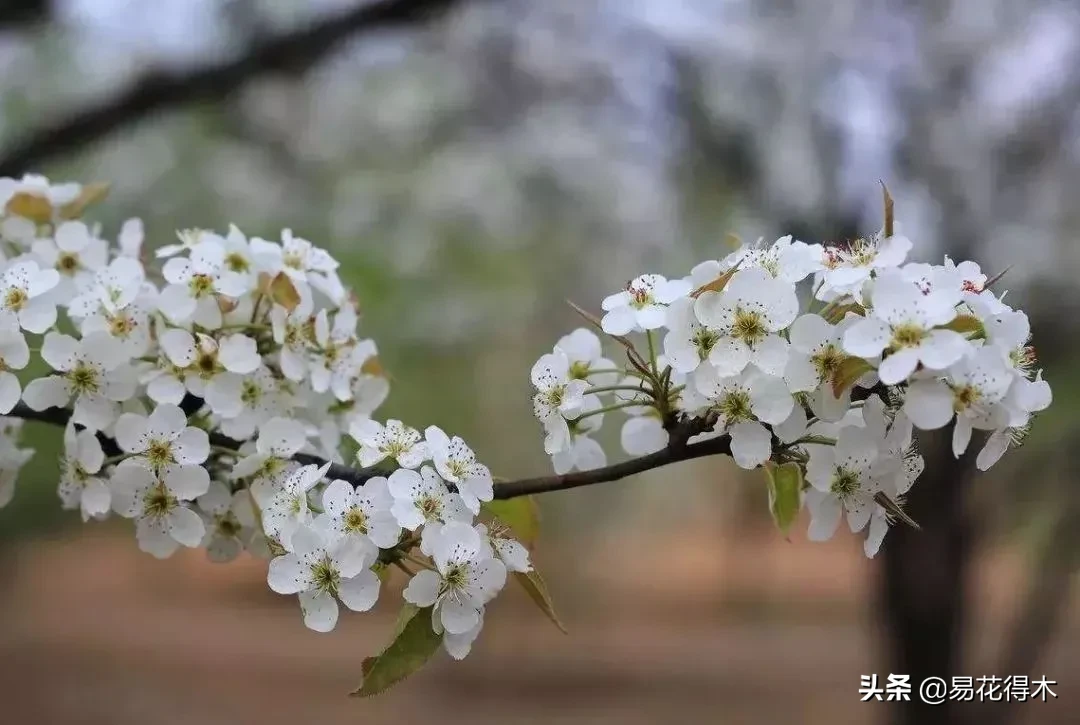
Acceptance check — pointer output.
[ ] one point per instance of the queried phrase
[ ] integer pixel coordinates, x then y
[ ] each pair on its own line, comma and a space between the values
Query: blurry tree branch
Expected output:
162, 89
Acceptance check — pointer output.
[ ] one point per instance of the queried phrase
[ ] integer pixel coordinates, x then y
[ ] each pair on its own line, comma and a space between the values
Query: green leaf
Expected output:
283, 292
521, 514
414, 644
785, 493
967, 324
535, 587
847, 372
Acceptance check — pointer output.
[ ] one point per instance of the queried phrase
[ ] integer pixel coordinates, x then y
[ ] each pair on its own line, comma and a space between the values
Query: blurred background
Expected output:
475, 162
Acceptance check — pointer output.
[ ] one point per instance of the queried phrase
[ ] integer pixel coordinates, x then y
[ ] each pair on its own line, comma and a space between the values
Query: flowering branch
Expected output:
205, 407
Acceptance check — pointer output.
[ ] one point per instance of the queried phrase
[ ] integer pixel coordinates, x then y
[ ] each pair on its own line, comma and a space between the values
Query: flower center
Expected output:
67, 263
827, 361
325, 576
639, 296
201, 285
250, 393
16, 298
862, 253
356, 521
845, 483
121, 326
206, 364
158, 502
735, 406
749, 326
704, 340
160, 453
456, 577
236, 262
228, 526
83, 378
555, 395
293, 260
579, 370
430, 506
964, 397
907, 335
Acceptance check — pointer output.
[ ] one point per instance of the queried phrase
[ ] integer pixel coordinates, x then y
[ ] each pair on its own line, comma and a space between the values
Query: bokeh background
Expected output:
475, 162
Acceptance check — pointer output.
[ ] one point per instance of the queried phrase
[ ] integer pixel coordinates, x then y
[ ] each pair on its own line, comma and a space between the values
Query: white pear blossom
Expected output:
846, 270
303, 262
423, 497
395, 440
557, 399
742, 402
286, 508
749, 313
363, 512
14, 355
904, 324
842, 478
322, 569
92, 371
162, 439
279, 440
157, 502
786, 258
586, 357
688, 342
583, 452
643, 434
641, 306
81, 486
196, 282
76, 254
457, 464
231, 524
23, 295
463, 582
816, 354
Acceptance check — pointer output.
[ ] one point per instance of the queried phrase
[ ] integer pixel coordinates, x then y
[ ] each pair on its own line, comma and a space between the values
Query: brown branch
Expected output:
675, 451
161, 89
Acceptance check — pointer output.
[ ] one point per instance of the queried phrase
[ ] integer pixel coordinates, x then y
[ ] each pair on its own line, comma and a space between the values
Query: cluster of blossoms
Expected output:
209, 403
823, 355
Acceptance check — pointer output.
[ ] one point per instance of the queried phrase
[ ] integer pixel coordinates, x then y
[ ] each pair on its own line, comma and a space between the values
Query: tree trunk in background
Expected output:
923, 587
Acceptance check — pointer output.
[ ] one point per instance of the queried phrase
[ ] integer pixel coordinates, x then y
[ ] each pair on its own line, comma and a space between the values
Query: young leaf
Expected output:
90, 194
733, 240
535, 587
521, 514
718, 284
889, 222
965, 324
283, 292
31, 206
785, 492
414, 644
834, 314
847, 372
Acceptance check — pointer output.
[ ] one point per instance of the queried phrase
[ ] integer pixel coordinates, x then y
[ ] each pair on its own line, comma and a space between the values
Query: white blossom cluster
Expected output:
784, 349
190, 393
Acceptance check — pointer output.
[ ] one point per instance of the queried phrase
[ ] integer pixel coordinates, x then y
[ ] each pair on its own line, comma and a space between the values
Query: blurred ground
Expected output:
93, 631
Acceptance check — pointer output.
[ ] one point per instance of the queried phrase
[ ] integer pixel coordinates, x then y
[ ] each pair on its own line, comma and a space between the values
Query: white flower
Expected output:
458, 646
972, 390
586, 357
741, 401
293, 332
816, 354
75, 254
902, 323
279, 440
338, 355
394, 440
423, 497
786, 259
748, 313
457, 464
363, 512
643, 434
195, 284
582, 452
130, 238
846, 270
557, 399
14, 355
245, 402
80, 485
286, 509
157, 503
162, 439
641, 306
841, 478
322, 570
93, 371
231, 525
210, 363
503, 547
23, 288
688, 342
112, 288
462, 583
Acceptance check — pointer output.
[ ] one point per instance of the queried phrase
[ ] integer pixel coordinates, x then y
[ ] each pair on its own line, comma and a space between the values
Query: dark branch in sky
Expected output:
163, 89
